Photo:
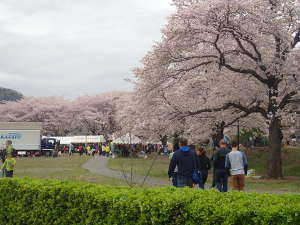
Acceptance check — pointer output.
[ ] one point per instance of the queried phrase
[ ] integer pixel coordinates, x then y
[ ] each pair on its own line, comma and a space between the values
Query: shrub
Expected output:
51, 202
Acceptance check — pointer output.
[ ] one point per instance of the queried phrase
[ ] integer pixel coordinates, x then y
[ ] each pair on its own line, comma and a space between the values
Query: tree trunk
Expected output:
164, 140
275, 138
176, 142
218, 133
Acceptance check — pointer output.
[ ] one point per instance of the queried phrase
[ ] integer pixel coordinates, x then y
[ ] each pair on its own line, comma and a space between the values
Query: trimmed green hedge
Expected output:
50, 202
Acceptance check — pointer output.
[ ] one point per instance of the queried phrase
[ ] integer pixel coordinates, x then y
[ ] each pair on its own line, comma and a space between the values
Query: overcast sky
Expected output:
75, 47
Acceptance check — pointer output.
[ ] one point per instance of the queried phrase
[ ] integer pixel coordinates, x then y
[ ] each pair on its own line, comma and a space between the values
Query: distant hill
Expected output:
9, 95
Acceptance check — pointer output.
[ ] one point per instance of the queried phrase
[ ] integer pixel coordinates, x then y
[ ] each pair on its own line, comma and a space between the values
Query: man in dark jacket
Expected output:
203, 165
221, 173
185, 161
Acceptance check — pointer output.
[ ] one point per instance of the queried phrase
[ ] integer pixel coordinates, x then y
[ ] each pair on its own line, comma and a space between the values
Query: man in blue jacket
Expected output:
185, 160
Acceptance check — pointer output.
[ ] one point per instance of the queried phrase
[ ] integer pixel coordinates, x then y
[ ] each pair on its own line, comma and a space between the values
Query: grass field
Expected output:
257, 160
64, 168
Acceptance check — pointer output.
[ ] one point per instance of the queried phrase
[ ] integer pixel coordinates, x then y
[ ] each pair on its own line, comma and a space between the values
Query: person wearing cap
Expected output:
221, 173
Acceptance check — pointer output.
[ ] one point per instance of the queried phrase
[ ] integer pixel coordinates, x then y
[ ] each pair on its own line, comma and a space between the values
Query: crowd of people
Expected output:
189, 166
88, 149
110, 149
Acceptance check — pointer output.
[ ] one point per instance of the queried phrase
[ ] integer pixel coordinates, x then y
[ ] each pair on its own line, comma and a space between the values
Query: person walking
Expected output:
107, 150
174, 175
221, 173
9, 165
9, 147
80, 150
88, 150
203, 165
184, 159
3, 155
93, 150
71, 148
103, 149
237, 164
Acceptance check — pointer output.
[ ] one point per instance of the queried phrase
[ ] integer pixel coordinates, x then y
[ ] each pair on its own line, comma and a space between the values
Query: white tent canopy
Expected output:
64, 140
81, 139
127, 139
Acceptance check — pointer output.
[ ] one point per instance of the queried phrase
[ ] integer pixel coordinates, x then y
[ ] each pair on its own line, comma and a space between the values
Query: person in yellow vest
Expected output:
9, 147
9, 166
107, 150
88, 150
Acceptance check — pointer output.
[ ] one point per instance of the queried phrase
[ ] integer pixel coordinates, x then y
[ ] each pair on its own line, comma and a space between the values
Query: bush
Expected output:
27, 201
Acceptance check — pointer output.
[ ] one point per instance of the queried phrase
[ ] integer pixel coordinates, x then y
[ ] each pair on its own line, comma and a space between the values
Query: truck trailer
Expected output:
26, 137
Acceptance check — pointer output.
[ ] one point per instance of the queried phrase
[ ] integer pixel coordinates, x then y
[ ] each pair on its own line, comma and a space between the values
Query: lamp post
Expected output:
238, 133
238, 130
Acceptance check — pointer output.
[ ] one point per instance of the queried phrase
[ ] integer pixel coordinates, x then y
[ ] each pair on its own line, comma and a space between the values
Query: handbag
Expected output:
196, 176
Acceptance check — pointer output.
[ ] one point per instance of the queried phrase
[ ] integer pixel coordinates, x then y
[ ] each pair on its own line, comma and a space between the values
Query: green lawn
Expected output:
63, 168
141, 166
69, 168
257, 160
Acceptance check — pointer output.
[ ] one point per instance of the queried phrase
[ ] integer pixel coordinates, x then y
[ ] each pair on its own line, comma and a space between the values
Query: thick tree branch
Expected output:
234, 69
287, 99
247, 109
296, 39
244, 71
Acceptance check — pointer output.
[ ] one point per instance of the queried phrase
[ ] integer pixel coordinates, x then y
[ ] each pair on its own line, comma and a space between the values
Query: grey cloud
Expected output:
70, 48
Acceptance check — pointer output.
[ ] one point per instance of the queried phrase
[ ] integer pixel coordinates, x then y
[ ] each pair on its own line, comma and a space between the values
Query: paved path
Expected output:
98, 165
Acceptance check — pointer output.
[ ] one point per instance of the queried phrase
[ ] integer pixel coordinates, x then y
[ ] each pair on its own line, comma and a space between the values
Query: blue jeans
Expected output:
184, 181
221, 180
200, 182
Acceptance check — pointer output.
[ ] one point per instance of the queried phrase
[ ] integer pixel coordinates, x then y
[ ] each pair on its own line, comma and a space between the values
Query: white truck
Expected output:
26, 138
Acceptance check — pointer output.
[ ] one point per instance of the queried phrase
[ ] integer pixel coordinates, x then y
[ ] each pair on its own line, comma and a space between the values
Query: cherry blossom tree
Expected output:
96, 114
87, 115
52, 111
245, 51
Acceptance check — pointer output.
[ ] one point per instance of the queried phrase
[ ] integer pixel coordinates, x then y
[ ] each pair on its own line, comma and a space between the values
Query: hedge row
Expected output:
48, 202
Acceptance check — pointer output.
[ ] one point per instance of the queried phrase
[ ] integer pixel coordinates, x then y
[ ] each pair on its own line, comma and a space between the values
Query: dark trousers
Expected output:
184, 181
221, 177
174, 179
213, 179
200, 182
203, 175
9, 173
